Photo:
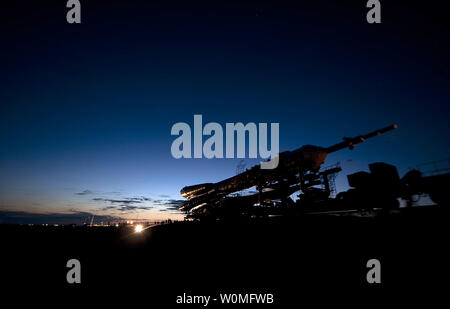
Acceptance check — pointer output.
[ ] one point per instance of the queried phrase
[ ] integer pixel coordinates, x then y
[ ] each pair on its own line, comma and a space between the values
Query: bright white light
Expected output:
138, 228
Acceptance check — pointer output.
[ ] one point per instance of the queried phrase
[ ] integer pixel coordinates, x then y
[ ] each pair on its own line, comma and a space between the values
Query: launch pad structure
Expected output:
300, 171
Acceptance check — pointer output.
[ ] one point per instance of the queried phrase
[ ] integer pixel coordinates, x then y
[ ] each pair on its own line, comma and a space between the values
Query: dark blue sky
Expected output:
89, 108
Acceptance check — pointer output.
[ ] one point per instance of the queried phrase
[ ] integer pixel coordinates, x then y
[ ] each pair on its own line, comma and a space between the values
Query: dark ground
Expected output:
315, 257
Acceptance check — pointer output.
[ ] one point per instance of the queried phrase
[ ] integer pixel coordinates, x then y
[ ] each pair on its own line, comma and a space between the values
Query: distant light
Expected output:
138, 228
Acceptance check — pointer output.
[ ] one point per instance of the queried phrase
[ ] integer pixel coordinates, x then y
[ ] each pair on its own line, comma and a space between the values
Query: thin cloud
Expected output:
85, 192
128, 200
126, 204
138, 203
126, 207
114, 201
168, 204
21, 217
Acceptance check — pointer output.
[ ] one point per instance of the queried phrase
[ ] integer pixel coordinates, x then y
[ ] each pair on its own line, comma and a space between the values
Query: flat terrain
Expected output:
292, 258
